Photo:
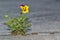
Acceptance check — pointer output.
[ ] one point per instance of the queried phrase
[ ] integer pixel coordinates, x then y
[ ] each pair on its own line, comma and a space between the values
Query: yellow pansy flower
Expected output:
25, 9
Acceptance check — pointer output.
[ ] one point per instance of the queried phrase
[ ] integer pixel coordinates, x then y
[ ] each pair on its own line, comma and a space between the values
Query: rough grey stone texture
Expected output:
32, 37
45, 14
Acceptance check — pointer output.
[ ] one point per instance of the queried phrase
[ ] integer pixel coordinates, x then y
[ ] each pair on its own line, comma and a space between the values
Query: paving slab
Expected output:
31, 37
45, 16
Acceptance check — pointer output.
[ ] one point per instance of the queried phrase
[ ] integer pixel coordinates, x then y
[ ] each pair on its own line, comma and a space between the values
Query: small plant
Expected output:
19, 25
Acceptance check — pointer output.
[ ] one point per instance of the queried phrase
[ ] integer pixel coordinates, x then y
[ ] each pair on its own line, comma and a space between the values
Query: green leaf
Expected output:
19, 24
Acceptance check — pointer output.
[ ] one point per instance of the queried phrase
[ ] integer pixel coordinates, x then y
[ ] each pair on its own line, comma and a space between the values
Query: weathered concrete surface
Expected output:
32, 37
44, 14
50, 26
